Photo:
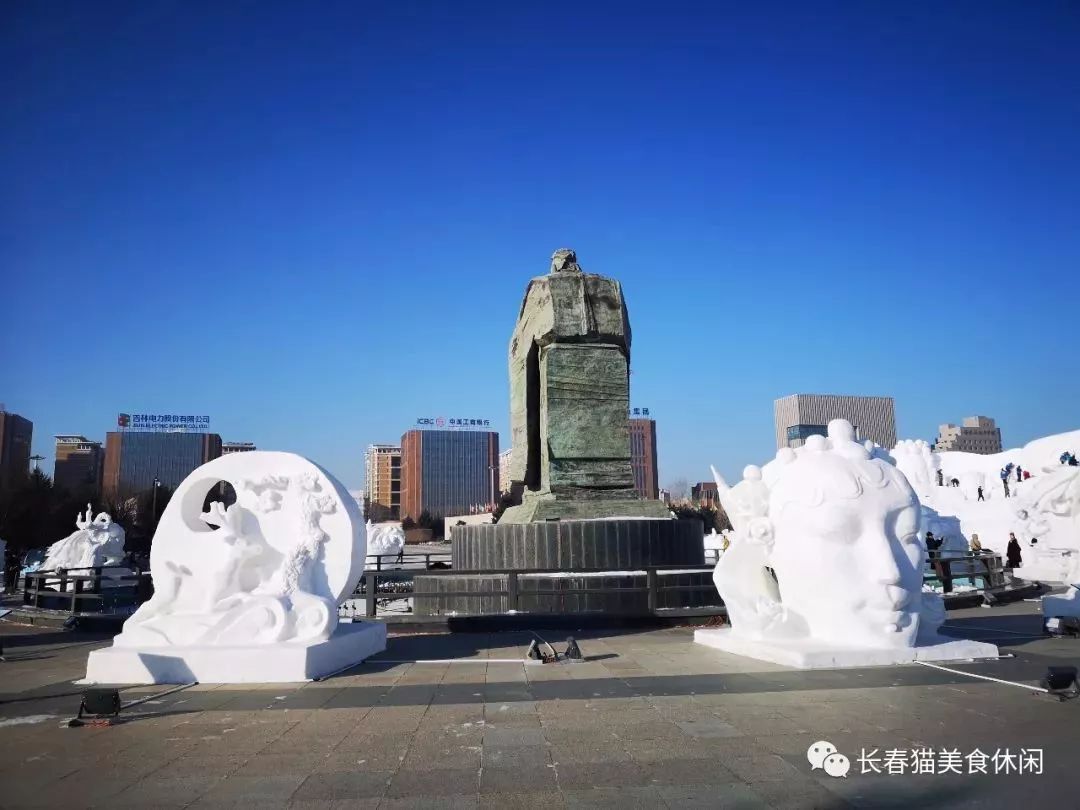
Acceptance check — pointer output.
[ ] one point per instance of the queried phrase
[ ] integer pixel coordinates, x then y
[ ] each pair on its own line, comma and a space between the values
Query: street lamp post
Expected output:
491, 469
157, 484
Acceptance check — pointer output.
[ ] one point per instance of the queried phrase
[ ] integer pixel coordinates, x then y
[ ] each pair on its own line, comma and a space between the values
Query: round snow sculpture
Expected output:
271, 567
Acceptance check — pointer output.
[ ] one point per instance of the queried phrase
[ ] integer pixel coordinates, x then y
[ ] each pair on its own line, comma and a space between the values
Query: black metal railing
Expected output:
953, 567
382, 562
76, 592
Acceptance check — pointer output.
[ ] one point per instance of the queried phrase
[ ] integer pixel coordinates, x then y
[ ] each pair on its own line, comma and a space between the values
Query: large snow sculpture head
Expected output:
272, 567
847, 552
840, 530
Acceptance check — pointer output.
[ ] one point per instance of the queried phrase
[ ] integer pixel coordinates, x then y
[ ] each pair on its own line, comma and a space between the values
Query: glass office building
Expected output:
448, 472
134, 459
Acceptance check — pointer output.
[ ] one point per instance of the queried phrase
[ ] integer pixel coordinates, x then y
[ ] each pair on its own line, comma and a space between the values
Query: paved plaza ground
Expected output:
455, 720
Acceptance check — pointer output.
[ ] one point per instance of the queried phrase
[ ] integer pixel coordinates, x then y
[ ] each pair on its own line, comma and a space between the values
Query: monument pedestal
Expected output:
285, 662
814, 654
549, 507
482, 554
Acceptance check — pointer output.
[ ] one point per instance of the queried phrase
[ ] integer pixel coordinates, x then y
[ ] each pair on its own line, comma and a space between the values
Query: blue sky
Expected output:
315, 222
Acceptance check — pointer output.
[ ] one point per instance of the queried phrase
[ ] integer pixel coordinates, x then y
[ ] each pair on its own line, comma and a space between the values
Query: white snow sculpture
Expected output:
1045, 506
95, 542
248, 592
385, 538
826, 565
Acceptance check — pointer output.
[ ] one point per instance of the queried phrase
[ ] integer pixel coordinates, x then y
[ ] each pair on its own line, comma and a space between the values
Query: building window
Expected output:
801, 432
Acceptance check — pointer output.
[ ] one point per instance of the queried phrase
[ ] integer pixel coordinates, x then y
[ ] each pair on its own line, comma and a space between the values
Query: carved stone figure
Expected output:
569, 400
265, 573
826, 566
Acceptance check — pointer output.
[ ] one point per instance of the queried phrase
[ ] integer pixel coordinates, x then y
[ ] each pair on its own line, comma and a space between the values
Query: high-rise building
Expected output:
802, 415
382, 463
705, 493
78, 465
237, 447
448, 472
504, 470
16, 436
977, 434
134, 459
643, 458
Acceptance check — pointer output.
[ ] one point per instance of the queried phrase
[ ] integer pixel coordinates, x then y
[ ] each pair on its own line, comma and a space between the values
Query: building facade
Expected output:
643, 458
705, 493
16, 438
382, 463
448, 472
237, 447
802, 415
79, 462
977, 434
504, 470
133, 460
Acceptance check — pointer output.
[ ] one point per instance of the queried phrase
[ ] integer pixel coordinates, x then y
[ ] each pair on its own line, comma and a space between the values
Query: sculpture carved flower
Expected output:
760, 530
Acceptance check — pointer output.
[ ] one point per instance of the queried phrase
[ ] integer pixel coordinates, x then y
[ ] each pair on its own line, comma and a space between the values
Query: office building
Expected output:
802, 415
382, 464
78, 465
977, 434
504, 470
643, 458
705, 493
134, 459
16, 436
448, 472
237, 447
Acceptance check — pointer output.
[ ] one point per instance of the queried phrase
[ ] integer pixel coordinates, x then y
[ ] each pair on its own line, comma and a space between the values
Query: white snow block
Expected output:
812, 654
289, 662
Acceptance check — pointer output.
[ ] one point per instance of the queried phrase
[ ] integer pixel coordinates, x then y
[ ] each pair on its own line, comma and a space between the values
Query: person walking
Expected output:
1013, 557
941, 478
981, 497
1018, 474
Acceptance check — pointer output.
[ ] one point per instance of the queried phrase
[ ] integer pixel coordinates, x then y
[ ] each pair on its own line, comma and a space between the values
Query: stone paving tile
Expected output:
737, 796
506, 737
152, 792
525, 777
617, 798
522, 801
256, 789
681, 726
433, 782
360, 784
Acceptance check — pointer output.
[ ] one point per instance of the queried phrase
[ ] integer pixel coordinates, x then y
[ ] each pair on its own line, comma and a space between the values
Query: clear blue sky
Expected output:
315, 221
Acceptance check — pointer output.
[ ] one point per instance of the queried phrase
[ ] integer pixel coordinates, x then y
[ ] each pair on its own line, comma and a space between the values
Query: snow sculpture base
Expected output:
292, 662
811, 654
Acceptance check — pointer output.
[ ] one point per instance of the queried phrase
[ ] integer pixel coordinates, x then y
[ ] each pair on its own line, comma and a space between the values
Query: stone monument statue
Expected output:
569, 400
576, 510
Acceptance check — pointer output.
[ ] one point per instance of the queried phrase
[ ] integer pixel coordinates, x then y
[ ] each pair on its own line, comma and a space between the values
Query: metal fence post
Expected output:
512, 590
371, 583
